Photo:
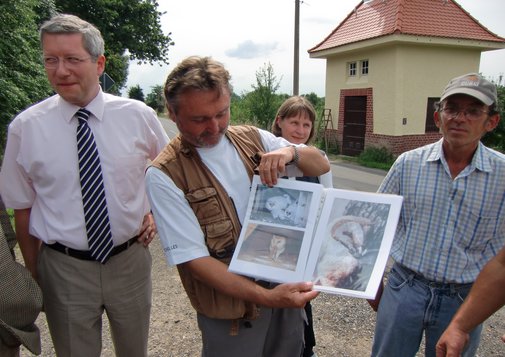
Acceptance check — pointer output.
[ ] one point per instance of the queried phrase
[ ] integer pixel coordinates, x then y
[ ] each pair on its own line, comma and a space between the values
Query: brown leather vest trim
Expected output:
215, 212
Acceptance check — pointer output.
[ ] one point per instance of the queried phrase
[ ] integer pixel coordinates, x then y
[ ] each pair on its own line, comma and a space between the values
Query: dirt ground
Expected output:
344, 326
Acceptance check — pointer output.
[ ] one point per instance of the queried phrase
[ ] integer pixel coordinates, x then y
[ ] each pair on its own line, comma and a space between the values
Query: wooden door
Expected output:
353, 140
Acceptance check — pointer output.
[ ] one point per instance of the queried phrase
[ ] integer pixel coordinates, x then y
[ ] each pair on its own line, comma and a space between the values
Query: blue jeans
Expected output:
411, 305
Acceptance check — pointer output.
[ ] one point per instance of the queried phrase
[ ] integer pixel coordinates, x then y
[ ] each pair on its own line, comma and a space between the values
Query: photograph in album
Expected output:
300, 231
281, 206
277, 232
352, 242
272, 246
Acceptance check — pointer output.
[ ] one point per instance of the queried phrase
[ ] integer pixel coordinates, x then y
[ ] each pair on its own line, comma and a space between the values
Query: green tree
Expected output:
240, 111
131, 30
136, 92
263, 101
317, 102
116, 66
313, 98
496, 138
155, 99
22, 77
44, 9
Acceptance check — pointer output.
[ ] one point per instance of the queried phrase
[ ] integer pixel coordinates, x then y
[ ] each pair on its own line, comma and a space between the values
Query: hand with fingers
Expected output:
148, 230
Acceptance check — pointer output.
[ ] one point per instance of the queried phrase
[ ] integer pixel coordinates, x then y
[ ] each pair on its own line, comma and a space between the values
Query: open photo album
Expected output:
299, 231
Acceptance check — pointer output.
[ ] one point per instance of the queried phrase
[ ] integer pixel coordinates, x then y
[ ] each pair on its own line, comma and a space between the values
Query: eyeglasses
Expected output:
69, 61
468, 113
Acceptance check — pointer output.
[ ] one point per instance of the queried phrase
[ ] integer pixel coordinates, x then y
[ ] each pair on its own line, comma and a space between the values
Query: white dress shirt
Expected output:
40, 168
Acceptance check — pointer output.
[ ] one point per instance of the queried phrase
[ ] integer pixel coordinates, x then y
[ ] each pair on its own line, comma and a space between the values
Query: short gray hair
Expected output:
67, 24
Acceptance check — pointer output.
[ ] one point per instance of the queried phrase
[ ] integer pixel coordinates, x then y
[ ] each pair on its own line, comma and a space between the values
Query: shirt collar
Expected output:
480, 160
436, 152
96, 107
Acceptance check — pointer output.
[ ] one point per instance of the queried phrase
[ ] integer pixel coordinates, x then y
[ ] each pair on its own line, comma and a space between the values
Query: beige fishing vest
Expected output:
215, 212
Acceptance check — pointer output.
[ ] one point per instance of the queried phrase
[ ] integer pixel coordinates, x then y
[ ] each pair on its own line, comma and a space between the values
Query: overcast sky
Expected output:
246, 35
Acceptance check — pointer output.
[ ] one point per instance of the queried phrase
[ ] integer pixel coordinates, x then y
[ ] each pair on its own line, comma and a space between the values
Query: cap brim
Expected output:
471, 92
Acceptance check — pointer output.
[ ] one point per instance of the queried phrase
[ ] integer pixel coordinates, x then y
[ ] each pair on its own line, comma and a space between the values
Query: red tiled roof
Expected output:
431, 18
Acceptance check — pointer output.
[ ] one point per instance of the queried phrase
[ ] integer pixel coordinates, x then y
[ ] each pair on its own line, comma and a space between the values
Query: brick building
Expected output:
388, 61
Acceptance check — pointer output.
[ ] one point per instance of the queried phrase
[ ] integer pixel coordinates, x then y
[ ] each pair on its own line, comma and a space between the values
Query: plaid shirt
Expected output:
448, 229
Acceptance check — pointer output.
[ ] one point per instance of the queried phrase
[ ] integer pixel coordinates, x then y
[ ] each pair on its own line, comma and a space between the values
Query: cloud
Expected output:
319, 21
248, 49
271, 41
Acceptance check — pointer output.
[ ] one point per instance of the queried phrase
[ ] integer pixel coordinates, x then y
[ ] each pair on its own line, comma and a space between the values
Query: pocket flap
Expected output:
218, 229
201, 194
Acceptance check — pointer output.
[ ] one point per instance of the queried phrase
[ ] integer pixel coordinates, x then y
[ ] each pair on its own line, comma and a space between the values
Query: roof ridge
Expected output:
426, 18
398, 25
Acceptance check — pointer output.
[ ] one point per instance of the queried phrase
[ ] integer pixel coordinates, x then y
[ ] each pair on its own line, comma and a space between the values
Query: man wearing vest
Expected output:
199, 189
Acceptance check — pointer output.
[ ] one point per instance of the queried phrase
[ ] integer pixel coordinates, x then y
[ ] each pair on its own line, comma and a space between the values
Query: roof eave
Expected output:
407, 39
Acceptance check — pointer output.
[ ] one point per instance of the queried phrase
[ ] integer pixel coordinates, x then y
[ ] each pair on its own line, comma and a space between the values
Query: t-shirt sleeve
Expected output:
180, 234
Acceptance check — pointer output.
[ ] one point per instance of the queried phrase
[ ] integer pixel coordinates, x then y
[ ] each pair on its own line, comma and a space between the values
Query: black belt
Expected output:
410, 274
86, 254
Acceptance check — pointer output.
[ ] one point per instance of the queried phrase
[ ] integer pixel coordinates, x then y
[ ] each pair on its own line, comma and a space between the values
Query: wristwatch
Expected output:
296, 156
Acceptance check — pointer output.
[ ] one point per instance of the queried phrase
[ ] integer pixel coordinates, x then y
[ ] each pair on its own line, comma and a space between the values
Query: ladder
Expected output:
326, 129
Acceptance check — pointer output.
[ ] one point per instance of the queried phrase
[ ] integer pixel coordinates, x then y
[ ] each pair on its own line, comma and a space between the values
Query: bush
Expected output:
377, 157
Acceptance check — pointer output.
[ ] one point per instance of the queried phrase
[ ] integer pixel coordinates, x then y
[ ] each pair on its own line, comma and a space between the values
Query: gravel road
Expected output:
344, 326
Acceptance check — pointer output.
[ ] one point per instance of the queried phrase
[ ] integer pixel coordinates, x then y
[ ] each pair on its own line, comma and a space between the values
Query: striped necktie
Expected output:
93, 191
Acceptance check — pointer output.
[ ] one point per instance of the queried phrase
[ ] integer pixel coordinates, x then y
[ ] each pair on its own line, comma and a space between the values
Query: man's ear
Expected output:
100, 64
492, 122
436, 118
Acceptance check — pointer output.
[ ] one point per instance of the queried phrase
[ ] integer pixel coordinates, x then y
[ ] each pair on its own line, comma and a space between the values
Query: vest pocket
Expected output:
216, 227
220, 240
204, 203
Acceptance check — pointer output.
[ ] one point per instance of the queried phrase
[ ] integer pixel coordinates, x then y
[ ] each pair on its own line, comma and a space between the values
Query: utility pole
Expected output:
296, 63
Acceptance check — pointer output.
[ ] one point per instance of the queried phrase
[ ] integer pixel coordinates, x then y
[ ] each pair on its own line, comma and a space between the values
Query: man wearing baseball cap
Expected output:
451, 224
